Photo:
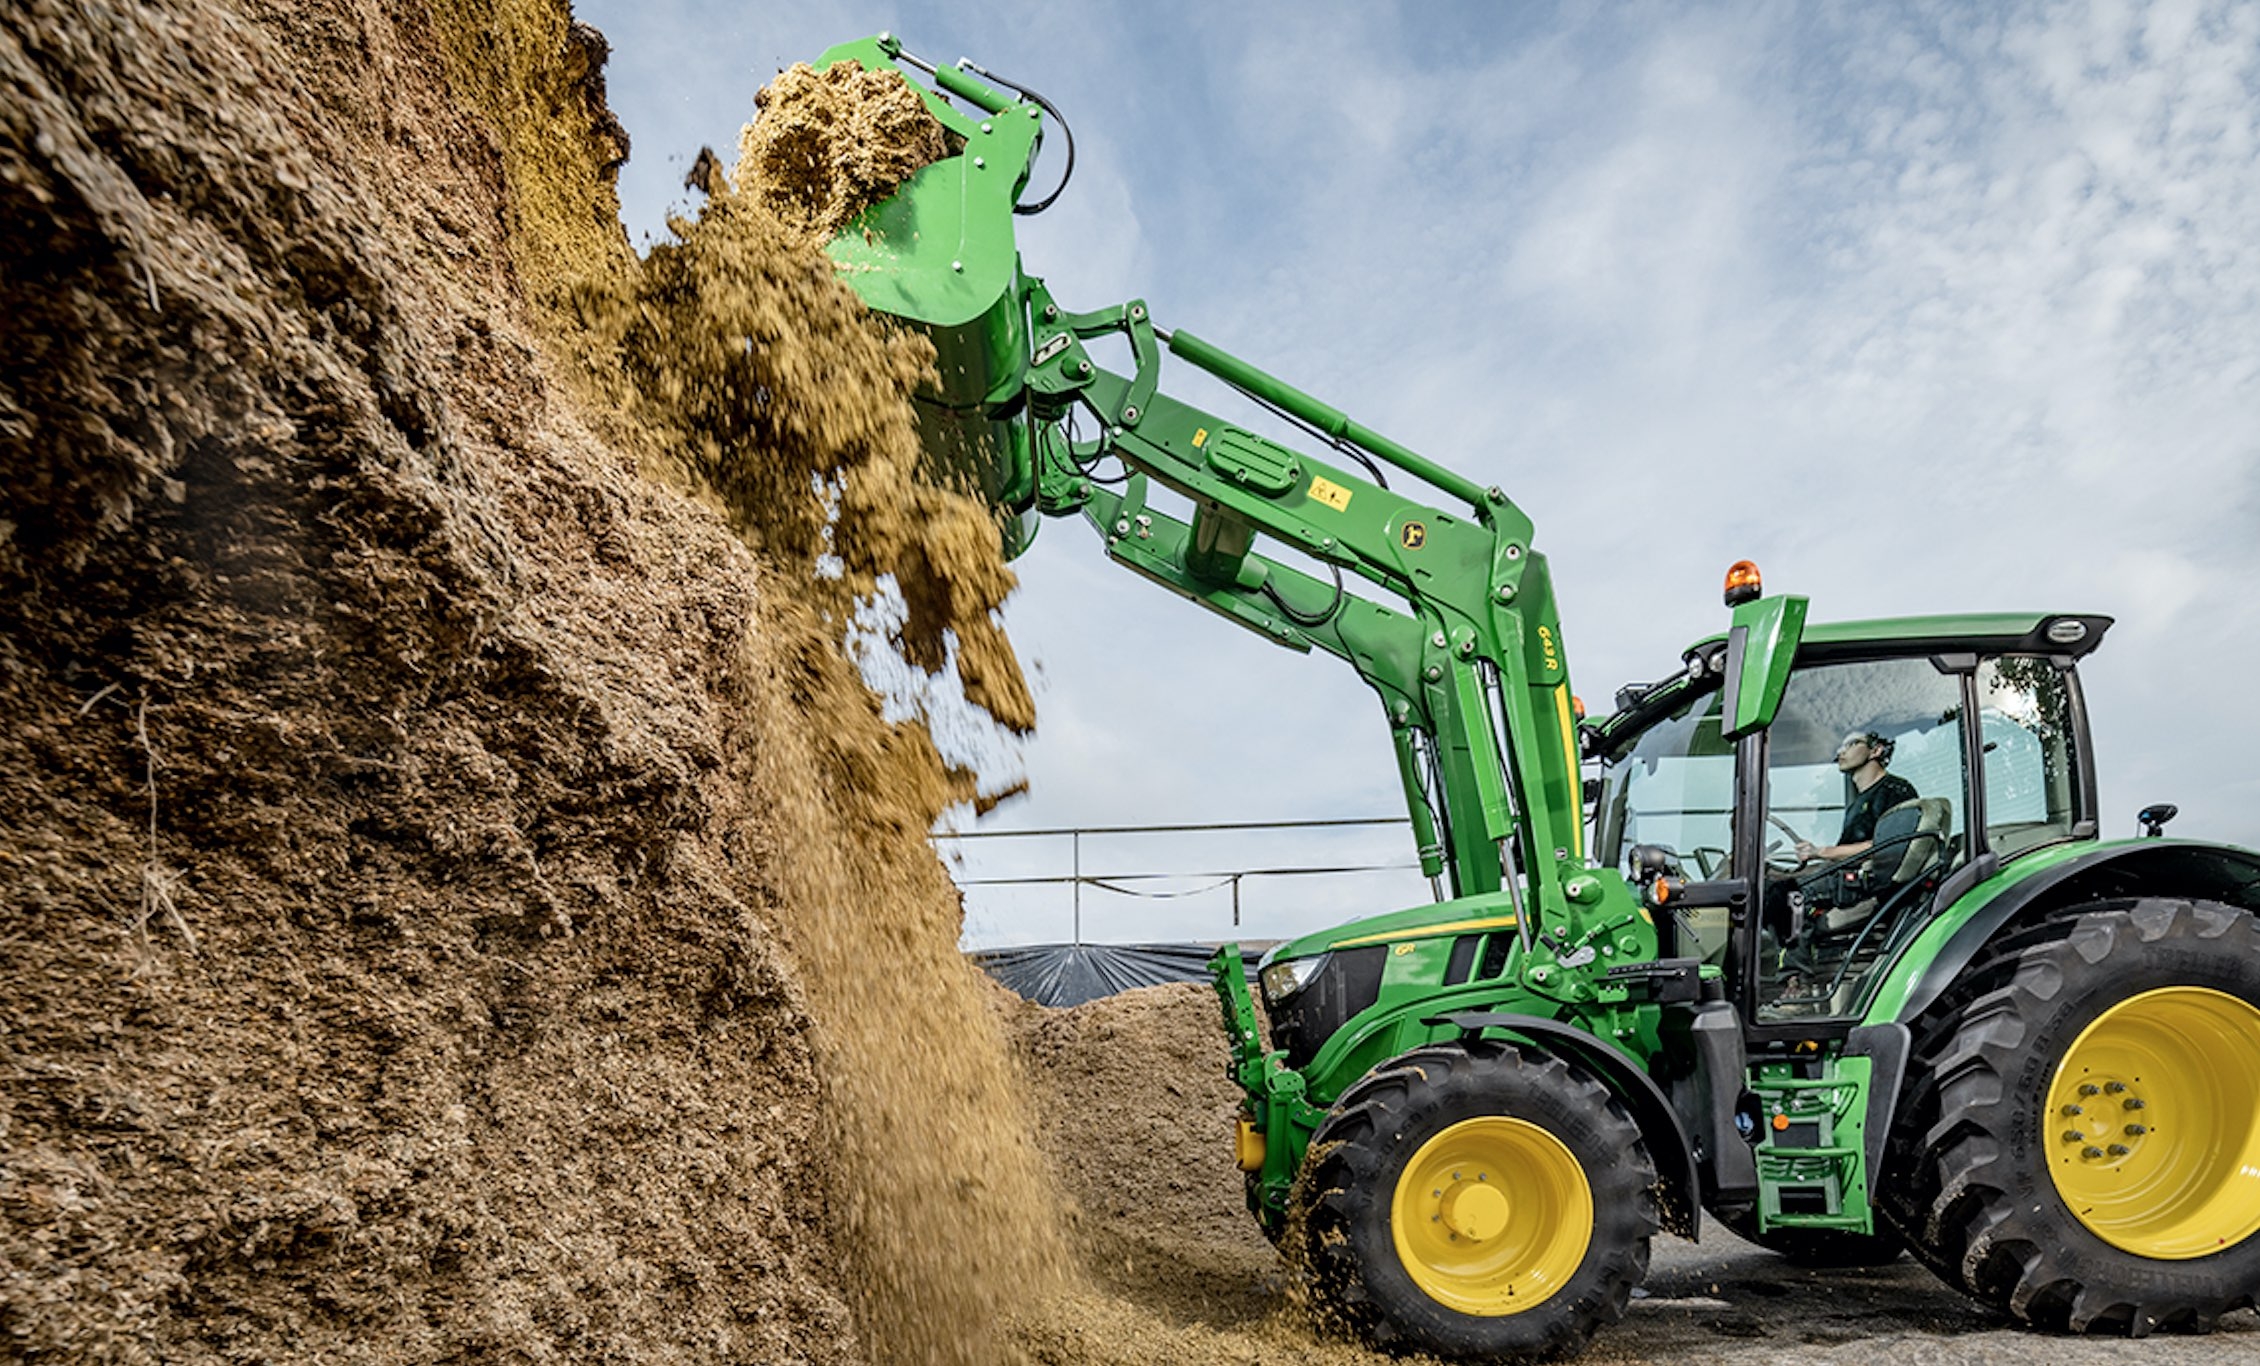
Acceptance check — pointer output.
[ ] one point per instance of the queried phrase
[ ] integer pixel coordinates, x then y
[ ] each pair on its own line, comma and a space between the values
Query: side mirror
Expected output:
2153, 818
1761, 647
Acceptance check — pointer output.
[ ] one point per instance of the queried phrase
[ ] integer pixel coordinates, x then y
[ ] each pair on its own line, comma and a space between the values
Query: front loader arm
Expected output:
1469, 668
1472, 661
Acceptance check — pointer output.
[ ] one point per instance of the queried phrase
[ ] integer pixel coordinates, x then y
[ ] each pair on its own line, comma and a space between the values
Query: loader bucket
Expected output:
940, 254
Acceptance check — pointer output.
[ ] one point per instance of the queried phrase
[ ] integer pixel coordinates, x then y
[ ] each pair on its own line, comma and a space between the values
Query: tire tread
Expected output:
1992, 1223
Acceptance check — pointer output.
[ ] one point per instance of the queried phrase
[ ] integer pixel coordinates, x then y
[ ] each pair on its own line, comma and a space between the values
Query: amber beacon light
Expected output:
1743, 583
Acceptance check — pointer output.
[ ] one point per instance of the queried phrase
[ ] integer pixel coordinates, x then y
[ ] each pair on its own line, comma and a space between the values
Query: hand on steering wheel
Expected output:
1805, 850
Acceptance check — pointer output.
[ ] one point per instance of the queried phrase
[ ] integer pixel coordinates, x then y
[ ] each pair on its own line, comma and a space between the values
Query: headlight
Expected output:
1283, 979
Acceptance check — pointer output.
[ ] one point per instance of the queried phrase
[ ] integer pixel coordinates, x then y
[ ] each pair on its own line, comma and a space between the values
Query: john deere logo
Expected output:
1414, 535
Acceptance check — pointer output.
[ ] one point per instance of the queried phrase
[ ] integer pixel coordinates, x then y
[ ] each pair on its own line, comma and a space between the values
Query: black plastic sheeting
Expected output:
1070, 974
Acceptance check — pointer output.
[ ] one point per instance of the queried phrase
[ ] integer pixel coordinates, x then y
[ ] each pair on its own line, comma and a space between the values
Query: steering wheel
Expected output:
1772, 851
1776, 861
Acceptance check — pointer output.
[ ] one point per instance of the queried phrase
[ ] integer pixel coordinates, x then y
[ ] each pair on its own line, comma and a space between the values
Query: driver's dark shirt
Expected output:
1861, 813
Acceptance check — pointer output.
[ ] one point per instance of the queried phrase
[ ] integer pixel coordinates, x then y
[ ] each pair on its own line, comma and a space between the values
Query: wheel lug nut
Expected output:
2091, 1153
2114, 1087
2134, 1103
2120, 1150
2075, 1110
2088, 1088
2074, 1136
2137, 1130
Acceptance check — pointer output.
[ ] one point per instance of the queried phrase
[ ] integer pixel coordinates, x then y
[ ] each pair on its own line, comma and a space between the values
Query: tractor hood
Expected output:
1464, 915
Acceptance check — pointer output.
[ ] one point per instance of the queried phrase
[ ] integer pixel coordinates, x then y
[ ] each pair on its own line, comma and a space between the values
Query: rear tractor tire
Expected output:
2094, 1162
1477, 1200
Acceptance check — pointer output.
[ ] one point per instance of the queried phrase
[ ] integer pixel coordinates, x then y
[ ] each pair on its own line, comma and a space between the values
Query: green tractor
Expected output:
1831, 947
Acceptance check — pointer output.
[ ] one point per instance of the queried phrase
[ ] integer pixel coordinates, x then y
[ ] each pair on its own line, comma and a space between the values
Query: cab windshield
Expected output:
1674, 788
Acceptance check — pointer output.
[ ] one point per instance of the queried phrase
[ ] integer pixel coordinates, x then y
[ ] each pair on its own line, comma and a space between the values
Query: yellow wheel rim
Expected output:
2153, 1124
1492, 1216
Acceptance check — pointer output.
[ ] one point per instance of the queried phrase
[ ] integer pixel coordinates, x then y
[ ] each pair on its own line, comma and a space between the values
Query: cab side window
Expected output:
2031, 782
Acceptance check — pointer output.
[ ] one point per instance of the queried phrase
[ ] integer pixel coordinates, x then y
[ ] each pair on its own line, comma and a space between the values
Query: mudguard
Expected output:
2142, 867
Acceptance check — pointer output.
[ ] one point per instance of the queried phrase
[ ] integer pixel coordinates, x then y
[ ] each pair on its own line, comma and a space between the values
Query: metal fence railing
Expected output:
1126, 883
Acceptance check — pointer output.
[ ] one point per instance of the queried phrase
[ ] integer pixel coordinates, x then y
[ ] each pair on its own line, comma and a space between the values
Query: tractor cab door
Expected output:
1861, 804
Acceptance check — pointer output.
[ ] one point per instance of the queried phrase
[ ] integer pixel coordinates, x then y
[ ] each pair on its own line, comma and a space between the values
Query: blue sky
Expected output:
1922, 307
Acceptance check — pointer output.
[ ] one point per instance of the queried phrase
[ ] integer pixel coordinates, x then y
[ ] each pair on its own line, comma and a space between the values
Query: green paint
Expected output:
1813, 1173
1898, 985
1761, 648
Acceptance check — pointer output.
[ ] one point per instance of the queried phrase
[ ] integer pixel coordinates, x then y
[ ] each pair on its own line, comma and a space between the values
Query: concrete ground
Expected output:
1725, 1300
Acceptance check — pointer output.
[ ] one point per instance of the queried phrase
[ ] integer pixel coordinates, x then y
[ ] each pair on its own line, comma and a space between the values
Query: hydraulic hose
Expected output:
1301, 618
1068, 172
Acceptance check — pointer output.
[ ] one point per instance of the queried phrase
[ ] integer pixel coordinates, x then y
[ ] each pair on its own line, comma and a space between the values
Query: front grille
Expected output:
1350, 981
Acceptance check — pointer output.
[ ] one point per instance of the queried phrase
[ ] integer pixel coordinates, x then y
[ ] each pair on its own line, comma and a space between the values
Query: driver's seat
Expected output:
1907, 841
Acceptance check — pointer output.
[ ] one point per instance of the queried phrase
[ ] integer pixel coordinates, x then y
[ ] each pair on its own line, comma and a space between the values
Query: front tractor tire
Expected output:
2094, 1161
1477, 1200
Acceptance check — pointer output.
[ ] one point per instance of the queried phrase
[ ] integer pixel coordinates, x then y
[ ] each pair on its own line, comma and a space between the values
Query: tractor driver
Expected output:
1863, 758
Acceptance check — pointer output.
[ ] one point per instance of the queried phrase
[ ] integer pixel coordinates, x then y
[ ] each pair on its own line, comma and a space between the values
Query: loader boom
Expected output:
1467, 660
1469, 669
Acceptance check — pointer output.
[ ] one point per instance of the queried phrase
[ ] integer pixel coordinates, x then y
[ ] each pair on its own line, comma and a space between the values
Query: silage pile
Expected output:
433, 853
460, 901
1134, 1104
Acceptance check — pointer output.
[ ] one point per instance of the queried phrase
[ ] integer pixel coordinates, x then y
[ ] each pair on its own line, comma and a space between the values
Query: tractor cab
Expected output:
1894, 764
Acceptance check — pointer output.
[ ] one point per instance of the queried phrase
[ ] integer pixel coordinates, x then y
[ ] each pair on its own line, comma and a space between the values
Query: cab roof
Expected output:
2043, 633
2039, 633
2069, 634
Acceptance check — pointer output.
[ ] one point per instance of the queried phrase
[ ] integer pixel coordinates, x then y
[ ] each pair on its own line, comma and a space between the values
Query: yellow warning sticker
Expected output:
1326, 491
1200, 438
